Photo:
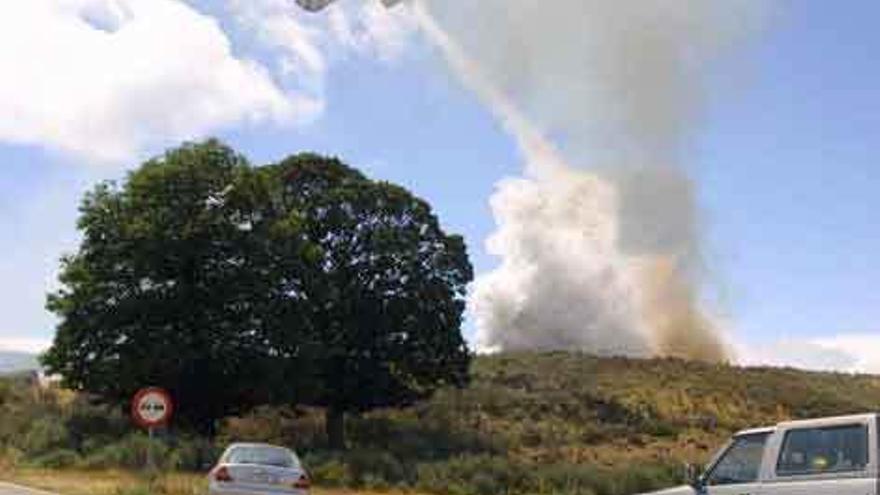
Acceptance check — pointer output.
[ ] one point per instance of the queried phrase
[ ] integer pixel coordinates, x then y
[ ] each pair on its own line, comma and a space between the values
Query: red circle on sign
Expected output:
152, 407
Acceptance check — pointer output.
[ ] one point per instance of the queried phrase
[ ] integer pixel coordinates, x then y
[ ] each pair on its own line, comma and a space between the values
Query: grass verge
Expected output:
73, 482
115, 482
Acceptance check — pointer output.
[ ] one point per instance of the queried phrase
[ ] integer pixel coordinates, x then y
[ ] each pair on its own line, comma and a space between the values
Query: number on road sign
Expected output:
151, 407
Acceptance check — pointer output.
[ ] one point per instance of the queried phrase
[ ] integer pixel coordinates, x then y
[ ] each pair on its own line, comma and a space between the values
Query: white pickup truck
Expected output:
830, 456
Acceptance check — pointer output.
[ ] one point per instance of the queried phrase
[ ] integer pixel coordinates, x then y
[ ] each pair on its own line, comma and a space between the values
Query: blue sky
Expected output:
784, 163
789, 177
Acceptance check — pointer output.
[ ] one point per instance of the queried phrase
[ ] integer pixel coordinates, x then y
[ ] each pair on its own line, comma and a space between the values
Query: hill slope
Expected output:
578, 408
14, 362
564, 423
531, 423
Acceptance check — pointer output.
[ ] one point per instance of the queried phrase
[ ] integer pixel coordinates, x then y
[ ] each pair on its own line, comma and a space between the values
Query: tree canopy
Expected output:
232, 286
386, 297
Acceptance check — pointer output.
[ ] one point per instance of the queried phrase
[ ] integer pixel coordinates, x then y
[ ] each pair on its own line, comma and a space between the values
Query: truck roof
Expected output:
755, 431
801, 423
852, 418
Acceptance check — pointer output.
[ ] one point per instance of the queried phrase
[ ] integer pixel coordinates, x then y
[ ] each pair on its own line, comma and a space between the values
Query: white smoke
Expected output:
536, 234
599, 243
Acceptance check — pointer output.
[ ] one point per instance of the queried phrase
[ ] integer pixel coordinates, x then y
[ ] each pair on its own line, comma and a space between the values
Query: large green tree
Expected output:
233, 286
179, 281
386, 297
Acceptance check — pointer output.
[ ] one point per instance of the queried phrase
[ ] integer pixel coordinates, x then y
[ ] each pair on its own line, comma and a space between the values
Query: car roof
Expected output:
755, 431
806, 423
256, 445
830, 421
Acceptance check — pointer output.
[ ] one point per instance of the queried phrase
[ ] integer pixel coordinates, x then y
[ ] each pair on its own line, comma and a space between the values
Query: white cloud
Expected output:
855, 353
105, 78
373, 29
23, 344
109, 79
278, 25
306, 44
863, 349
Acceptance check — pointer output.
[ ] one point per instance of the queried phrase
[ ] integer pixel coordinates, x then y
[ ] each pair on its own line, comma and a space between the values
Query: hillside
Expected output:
529, 423
570, 422
575, 408
14, 362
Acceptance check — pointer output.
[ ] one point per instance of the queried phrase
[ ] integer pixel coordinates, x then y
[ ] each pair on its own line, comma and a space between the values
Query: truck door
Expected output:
825, 459
737, 470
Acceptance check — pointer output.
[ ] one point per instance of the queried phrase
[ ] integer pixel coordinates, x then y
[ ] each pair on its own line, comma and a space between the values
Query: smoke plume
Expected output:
599, 241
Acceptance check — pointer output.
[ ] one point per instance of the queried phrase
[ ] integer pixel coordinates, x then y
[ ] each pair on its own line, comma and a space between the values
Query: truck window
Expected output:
741, 463
836, 449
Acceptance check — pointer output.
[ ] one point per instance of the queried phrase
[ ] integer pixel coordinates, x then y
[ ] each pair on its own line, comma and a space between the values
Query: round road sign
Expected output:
151, 407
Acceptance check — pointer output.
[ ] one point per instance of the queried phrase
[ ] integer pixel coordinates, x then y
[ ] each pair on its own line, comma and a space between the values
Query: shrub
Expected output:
140, 489
44, 435
58, 459
90, 425
193, 454
530, 423
328, 470
479, 475
295, 427
368, 467
132, 452
435, 436
572, 479
10, 457
487, 475
644, 479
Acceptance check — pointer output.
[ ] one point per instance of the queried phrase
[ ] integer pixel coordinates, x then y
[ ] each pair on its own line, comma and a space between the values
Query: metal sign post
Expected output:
151, 408
151, 464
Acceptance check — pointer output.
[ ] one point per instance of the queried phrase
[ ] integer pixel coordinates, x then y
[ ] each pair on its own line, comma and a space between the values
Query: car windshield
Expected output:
263, 456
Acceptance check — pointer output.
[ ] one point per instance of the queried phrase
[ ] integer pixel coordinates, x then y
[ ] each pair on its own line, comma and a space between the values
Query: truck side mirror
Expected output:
693, 476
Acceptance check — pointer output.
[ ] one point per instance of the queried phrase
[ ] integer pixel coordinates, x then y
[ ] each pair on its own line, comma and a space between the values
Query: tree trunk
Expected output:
334, 424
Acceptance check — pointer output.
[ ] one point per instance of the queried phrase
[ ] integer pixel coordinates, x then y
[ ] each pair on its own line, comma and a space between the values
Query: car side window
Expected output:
836, 449
740, 463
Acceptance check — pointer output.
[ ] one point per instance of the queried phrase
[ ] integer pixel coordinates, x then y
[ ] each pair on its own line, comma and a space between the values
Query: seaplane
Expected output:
318, 5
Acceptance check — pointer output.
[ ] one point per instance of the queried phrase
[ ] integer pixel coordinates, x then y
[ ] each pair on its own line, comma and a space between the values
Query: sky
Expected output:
783, 159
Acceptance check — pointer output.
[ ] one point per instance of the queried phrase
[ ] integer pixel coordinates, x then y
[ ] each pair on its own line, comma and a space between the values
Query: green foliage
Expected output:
528, 424
235, 286
490, 475
170, 286
44, 435
481, 475
58, 459
563, 423
299, 428
328, 469
385, 292
132, 452
193, 453
141, 489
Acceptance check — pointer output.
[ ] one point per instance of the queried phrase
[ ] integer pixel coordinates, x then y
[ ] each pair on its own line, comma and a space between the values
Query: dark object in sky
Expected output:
316, 5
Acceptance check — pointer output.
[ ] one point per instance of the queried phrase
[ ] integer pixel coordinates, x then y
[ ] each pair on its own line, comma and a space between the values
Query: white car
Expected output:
258, 469
829, 456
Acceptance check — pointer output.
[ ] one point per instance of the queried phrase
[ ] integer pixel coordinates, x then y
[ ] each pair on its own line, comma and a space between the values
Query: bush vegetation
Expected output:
528, 424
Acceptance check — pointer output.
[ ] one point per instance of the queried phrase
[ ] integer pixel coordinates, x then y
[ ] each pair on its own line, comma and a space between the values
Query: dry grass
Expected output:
529, 423
74, 482
105, 482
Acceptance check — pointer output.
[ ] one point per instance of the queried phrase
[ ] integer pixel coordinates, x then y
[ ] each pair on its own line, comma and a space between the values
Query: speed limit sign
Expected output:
152, 407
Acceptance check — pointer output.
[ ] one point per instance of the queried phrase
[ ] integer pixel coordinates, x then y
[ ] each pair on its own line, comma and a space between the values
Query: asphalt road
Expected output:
10, 489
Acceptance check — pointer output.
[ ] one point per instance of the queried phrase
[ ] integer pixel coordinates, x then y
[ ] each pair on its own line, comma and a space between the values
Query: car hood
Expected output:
679, 490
